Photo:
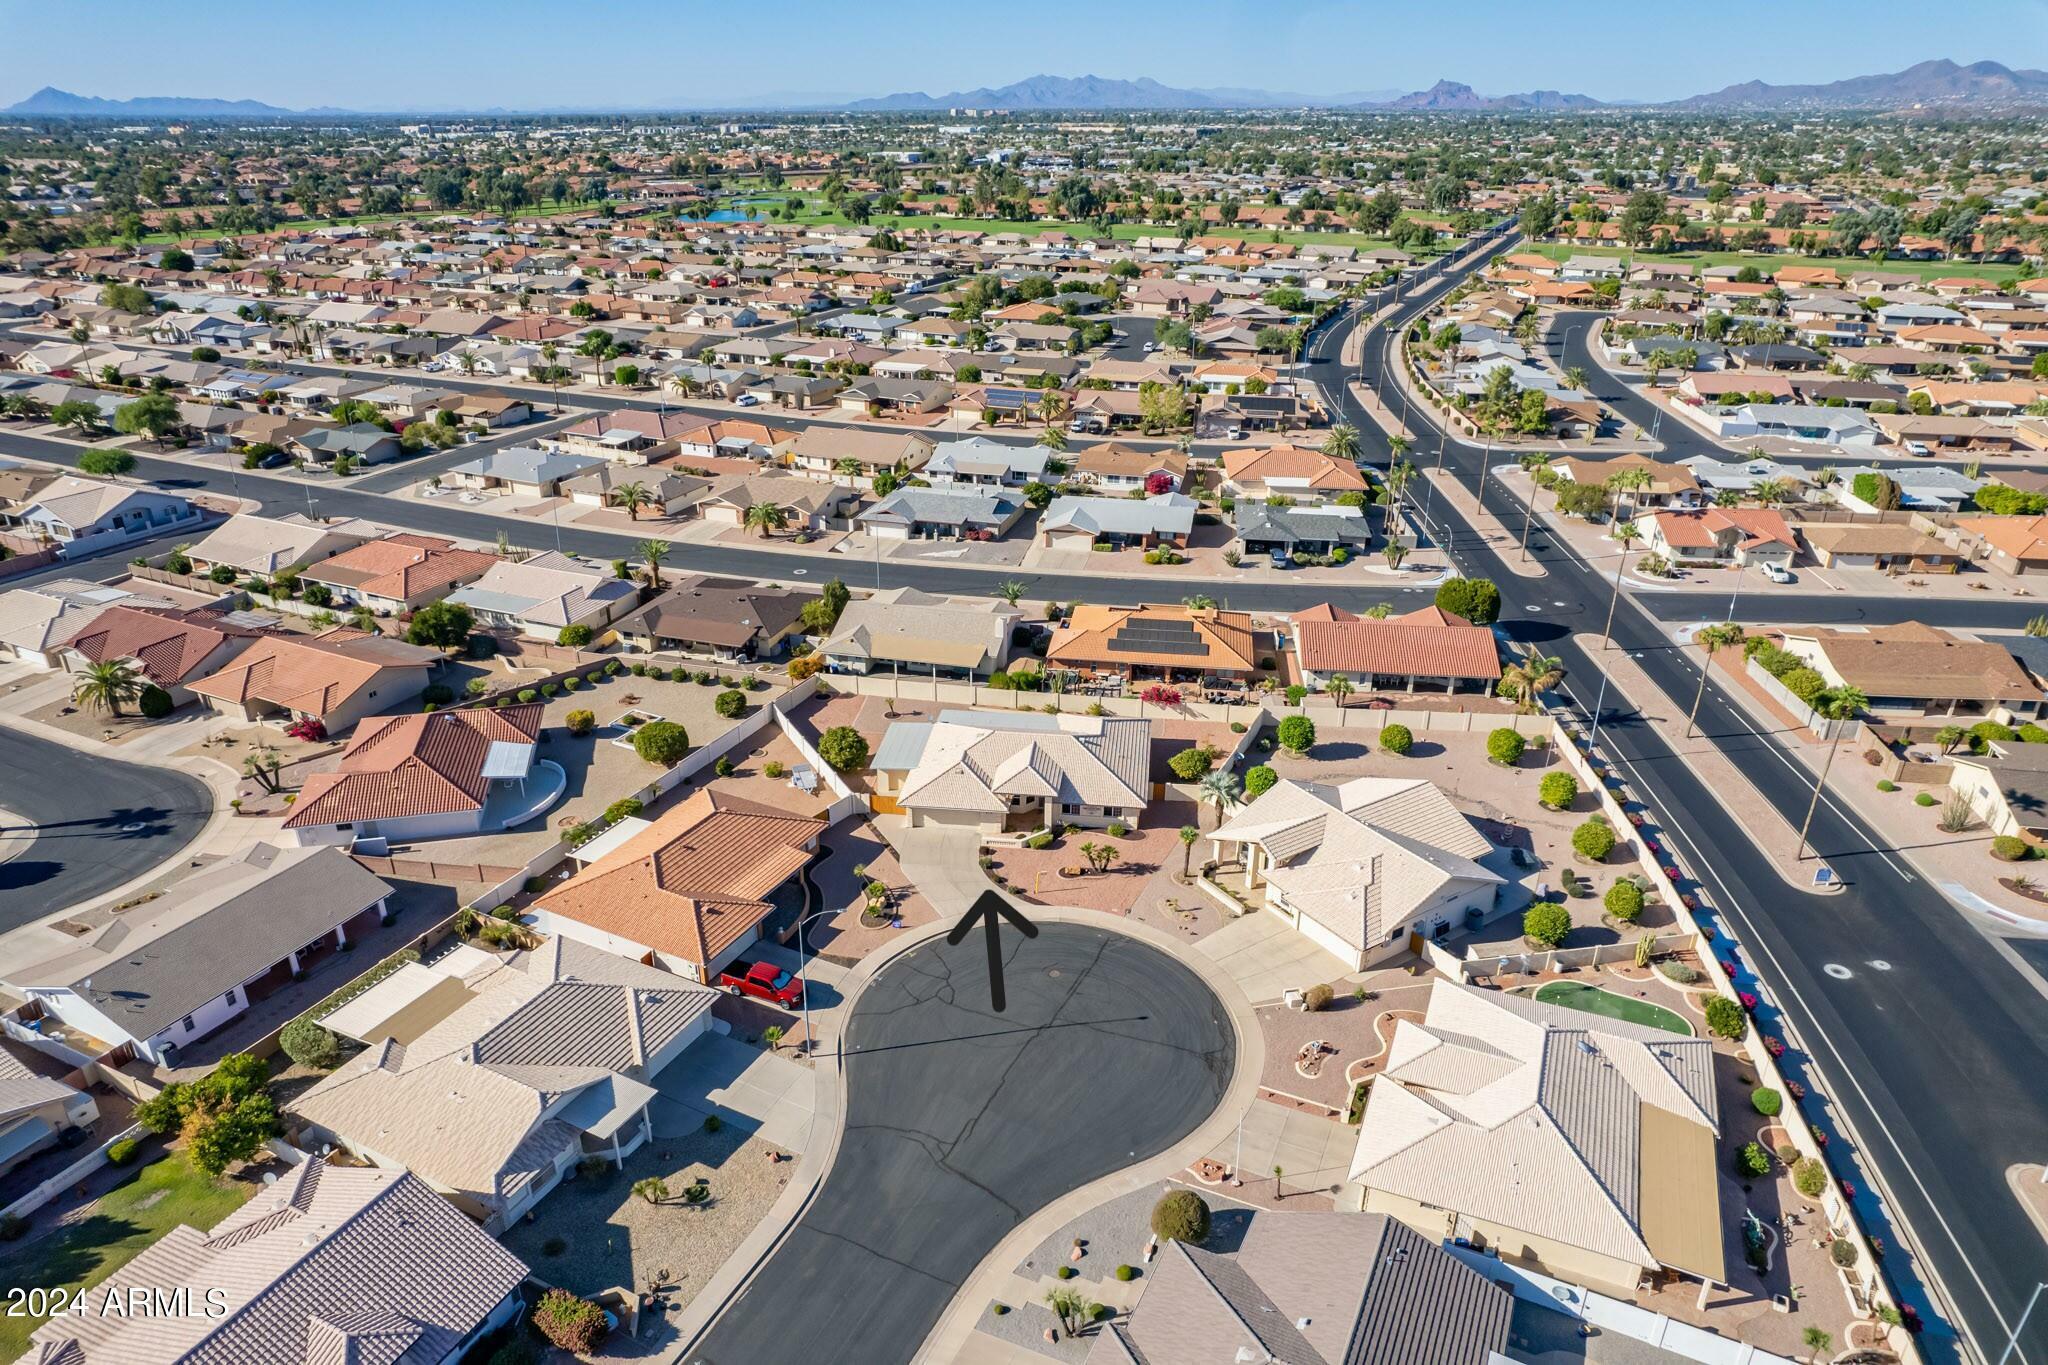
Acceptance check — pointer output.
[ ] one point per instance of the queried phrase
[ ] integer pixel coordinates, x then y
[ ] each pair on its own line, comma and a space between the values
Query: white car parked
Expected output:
1777, 573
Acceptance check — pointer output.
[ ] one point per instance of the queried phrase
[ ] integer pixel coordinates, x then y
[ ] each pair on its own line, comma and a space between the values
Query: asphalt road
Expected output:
1926, 1039
961, 1122
98, 822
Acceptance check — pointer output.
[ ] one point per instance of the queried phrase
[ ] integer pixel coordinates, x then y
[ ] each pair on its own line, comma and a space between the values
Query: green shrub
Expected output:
575, 1325
527, 694
440, 694
1843, 1252
580, 722
723, 767
661, 742
843, 747
1297, 734
2009, 848
1547, 923
1625, 901
1984, 731
1506, 746
774, 767
1725, 1018
1475, 599
1258, 781
1127, 1273
572, 683
1042, 839
625, 808
1684, 973
1191, 763
1557, 790
1766, 1101
1752, 1161
1804, 683
1924, 799
1117, 829
1809, 1177
1181, 1216
154, 703
309, 1044
575, 637
729, 704
1885, 784
1397, 739
123, 1152
1593, 840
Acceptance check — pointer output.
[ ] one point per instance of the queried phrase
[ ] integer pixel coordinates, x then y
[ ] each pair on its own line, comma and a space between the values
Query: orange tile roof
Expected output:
311, 675
401, 567
1225, 637
401, 766
1425, 643
167, 644
1264, 463
696, 880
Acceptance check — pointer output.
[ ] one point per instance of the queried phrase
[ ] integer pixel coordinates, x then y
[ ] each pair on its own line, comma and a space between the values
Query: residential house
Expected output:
37, 1109
857, 456
35, 621
732, 620
1670, 485
491, 1079
665, 492
440, 775
806, 504
1005, 772
1743, 536
337, 678
1922, 487
170, 647
83, 517
630, 435
1174, 643
401, 572
2015, 545
905, 630
363, 442
689, 892
1329, 1288
1123, 469
1579, 1146
946, 512
1295, 532
1890, 547
263, 546
735, 440
1911, 670
524, 471
542, 595
330, 1263
1166, 519
167, 973
495, 411
2006, 787
1425, 650
981, 461
1288, 471
1361, 867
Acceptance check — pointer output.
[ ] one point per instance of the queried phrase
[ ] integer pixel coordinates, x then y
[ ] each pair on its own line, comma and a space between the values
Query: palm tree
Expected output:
1053, 438
1399, 445
632, 497
1395, 552
1339, 687
1627, 533
1342, 442
766, 517
1714, 638
548, 352
1219, 789
1830, 704
1188, 835
1532, 677
1530, 464
653, 551
1948, 736
1011, 591
105, 685
846, 465
1630, 481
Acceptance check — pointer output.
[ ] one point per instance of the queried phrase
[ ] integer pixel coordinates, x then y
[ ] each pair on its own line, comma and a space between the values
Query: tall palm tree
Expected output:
1714, 638
653, 551
1339, 687
1219, 789
1627, 533
1342, 442
1530, 464
1631, 482
632, 497
1531, 678
766, 517
548, 352
1831, 704
1053, 438
104, 686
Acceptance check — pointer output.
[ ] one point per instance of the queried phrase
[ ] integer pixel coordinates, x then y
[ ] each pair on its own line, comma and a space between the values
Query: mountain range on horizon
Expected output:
1939, 83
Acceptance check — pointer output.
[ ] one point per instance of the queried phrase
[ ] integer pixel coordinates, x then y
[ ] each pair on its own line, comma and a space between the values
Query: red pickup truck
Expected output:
764, 981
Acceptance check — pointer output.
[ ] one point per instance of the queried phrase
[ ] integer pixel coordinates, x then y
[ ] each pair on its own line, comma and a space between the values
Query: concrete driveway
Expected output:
1314, 1152
743, 1085
1266, 957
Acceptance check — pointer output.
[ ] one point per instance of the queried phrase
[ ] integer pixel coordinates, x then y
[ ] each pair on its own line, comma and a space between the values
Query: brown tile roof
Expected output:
1918, 661
696, 880
168, 644
311, 675
400, 766
1093, 633
1415, 644
1265, 463
1110, 460
401, 566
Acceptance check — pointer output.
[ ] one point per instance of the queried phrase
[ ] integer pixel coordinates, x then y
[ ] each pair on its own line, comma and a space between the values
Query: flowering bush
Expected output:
1774, 1047
1749, 1001
1671, 871
312, 730
1159, 695
1795, 1090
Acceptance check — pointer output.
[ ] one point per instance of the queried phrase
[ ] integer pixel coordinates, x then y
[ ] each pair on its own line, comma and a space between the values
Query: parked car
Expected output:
1777, 573
763, 981
747, 400
1281, 559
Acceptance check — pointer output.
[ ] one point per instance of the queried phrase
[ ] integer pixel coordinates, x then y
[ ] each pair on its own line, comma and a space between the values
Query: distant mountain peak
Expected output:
50, 102
1937, 81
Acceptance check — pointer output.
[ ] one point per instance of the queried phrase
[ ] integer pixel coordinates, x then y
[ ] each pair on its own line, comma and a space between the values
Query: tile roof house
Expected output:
807, 504
164, 975
1579, 1146
944, 512
1426, 650
35, 621
82, 516
401, 572
729, 619
1164, 519
171, 647
1358, 867
1156, 641
539, 596
440, 775
691, 889
490, 1089
1119, 469
330, 1263
338, 678
1312, 1289
1288, 471
1720, 535
2018, 544
909, 631
1912, 670
1001, 772
265, 546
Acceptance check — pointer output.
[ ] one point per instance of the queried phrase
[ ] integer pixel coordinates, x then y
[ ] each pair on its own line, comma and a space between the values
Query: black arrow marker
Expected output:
989, 908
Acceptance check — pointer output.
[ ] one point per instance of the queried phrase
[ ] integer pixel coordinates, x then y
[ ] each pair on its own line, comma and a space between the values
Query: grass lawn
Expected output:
129, 1218
1577, 995
1845, 266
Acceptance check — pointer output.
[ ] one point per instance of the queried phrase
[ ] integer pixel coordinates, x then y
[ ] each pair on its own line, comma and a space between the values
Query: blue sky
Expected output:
380, 54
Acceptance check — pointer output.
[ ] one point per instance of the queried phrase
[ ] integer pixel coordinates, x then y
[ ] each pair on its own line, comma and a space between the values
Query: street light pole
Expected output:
810, 1039
2012, 1343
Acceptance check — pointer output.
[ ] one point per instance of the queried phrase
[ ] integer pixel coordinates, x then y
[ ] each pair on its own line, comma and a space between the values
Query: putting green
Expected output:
1577, 995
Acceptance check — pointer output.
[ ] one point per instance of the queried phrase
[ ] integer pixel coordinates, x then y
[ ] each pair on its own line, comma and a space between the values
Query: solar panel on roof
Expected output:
1158, 637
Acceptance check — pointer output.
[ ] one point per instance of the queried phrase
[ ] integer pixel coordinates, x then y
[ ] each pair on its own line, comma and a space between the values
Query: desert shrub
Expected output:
1766, 1101
1809, 1177
1258, 781
1127, 1273
1042, 839
723, 767
661, 742
572, 683
154, 703
1924, 799
527, 694
575, 637
1116, 829
1843, 1252
1593, 840
1297, 734
1506, 745
1317, 997
1397, 739
774, 767
1547, 923
1752, 1161
1684, 973
1885, 784
730, 704
2009, 848
1625, 902
1725, 1018
572, 1324
843, 747
1181, 1216
309, 1044
579, 722
625, 808
1557, 790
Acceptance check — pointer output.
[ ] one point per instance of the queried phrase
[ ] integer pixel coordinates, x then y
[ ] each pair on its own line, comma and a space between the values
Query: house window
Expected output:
186, 1023
230, 996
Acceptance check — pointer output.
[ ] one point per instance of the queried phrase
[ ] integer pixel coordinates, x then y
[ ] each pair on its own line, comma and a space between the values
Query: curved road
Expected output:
98, 823
961, 1122
1927, 1041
